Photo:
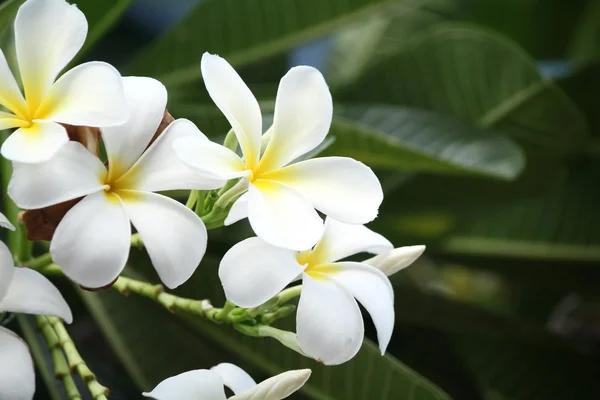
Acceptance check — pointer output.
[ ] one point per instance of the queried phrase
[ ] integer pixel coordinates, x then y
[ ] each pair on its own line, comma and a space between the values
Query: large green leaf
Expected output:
8, 10
480, 78
244, 31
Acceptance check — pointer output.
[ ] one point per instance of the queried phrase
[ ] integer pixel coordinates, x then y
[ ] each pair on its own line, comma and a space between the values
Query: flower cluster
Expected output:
270, 181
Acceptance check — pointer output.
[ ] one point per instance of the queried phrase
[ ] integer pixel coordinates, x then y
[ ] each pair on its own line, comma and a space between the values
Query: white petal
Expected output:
276, 388
209, 158
91, 243
72, 173
282, 217
32, 293
200, 384
38, 143
236, 102
254, 271
238, 211
159, 168
5, 223
90, 94
329, 323
9, 121
397, 259
6, 269
146, 100
17, 377
48, 34
374, 291
10, 94
303, 113
339, 187
174, 236
234, 377
342, 240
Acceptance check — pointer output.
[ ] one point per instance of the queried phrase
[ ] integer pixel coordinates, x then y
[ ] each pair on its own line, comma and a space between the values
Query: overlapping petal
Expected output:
36, 143
6, 269
342, 240
234, 377
91, 243
174, 236
282, 217
159, 168
17, 377
48, 34
277, 387
238, 211
10, 94
303, 113
5, 223
397, 259
329, 323
200, 384
236, 102
72, 173
32, 293
253, 271
374, 291
339, 187
146, 100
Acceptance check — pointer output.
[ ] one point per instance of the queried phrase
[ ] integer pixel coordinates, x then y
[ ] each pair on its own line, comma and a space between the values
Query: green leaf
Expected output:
244, 31
481, 78
8, 11
418, 140
584, 47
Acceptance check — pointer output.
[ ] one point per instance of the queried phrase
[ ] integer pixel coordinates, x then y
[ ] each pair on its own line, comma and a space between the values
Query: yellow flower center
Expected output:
314, 266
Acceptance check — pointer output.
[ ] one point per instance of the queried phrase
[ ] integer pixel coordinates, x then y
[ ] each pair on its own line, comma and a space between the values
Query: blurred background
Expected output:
482, 121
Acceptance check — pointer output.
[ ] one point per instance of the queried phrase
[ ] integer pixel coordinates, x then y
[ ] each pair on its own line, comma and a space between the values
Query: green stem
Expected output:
289, 294
39, 262
191, 201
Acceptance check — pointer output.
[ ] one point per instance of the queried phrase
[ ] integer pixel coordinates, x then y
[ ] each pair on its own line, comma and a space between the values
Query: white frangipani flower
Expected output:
48, 34
282, 195
397, 259
204, 384
91, 243
26, 291
329, 323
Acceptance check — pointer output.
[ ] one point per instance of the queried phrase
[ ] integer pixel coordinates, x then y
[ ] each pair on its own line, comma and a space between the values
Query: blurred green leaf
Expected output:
8, 11
478, 77
585, 42
244, 31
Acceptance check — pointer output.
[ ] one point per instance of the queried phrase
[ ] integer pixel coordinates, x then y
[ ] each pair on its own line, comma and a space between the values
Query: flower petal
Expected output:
281, 216
17, 376
329, 323
374, 291
10, 94
200, 384
159, 168
254, 271
91, 243
174, 236
35, 144
236, 102
6, 269
9, 121
339, 187
238, 211
234, 377
5, 223
48, 34
303, 113
32, 293
397, 259
276, 388
146, 99
209, 158
342, 240
72, 173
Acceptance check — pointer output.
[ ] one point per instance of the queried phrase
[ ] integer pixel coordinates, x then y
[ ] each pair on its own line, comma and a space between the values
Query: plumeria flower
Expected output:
204, 384
281, 195
329, 323
26, 291
91, 243
397, 259
48, 34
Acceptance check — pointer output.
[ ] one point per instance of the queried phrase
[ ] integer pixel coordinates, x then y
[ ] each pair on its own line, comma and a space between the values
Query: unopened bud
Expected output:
397, 259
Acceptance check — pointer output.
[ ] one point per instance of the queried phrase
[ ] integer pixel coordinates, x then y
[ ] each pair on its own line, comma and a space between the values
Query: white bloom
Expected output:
397, 259
23, 290
91, 243
48, 34
329, 323
204, 384
281, 198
